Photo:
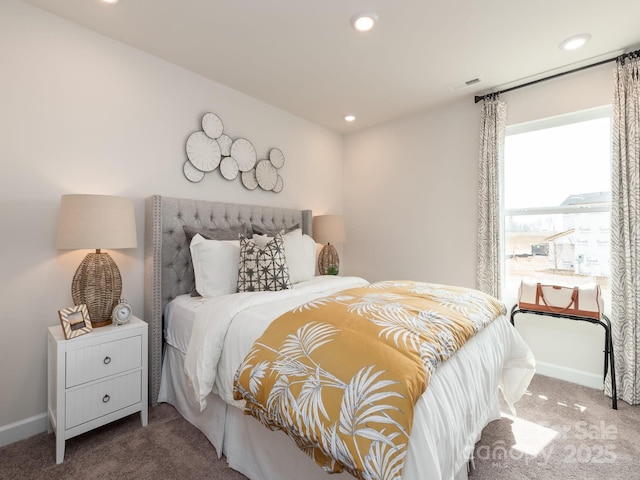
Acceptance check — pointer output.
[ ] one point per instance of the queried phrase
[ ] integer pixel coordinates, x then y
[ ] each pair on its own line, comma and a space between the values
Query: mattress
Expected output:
461, 399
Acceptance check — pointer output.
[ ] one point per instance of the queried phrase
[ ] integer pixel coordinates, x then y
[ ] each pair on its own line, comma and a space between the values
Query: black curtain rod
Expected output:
622, 57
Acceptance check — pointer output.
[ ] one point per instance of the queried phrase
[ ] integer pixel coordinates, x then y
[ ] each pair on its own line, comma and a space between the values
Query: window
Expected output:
557, 197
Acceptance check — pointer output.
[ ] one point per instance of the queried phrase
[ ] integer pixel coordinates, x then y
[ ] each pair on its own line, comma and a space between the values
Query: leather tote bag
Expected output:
581, 301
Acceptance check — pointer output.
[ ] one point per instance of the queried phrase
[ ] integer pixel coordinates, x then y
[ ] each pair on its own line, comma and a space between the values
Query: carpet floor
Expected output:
561, 431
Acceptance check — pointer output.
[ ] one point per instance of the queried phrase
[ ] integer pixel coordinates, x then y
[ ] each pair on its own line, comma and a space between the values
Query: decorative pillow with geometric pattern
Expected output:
263, 269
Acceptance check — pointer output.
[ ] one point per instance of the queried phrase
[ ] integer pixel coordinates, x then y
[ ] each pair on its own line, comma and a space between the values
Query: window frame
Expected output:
543, 124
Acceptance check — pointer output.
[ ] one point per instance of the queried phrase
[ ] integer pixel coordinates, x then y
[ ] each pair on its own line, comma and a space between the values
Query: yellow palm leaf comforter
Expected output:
341, 375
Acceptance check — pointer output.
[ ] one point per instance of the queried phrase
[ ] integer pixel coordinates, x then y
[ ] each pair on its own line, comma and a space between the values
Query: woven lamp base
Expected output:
97, 284
328, 260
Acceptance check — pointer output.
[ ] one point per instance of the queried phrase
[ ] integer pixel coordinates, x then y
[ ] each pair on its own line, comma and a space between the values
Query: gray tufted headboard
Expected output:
167, 260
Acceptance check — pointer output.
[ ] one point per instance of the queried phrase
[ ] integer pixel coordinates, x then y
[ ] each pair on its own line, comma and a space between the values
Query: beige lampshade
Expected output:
328, 229
96, 222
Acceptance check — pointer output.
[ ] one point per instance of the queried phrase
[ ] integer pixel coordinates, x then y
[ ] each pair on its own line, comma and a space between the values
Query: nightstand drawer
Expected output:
98, 361
97, 400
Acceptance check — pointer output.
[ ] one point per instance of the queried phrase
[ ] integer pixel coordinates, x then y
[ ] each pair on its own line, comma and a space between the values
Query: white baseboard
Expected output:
572, 375
23, 429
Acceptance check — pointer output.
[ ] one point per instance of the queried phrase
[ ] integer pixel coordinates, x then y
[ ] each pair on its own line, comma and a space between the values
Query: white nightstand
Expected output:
95, 379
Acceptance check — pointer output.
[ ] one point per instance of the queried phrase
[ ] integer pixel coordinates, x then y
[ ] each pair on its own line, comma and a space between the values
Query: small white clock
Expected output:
121, 313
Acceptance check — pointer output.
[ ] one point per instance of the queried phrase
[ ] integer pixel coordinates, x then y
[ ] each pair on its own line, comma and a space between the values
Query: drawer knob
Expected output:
107, 360
106, 398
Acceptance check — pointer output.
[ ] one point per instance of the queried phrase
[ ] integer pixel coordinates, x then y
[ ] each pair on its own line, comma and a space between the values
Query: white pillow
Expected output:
310, 252
299, 251
215, 265
261, 240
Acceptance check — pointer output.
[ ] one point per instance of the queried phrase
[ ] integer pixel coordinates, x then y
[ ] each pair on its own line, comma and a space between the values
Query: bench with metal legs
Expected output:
608, 342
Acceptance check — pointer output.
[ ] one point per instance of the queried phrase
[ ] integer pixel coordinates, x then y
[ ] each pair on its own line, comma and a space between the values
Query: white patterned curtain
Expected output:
625, 229
491, 159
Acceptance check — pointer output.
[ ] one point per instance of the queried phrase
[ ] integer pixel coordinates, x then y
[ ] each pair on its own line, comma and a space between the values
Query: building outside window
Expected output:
557, 201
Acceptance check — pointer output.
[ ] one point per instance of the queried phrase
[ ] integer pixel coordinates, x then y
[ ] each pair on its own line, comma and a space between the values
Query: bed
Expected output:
461, 398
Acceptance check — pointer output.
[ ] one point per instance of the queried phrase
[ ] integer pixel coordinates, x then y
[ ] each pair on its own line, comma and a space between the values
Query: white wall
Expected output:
410, 206
81, 113
410, 197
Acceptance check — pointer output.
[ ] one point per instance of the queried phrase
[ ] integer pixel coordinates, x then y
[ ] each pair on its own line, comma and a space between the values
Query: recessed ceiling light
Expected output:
575, 42
349, 118
364, 21
111, 2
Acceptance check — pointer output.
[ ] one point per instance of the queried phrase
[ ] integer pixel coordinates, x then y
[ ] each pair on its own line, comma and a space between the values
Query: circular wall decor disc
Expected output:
266, 175
224, 141
212, 125
244, 153
277, 157
249, 180
229, 168
192, 173
203, 152
277, 188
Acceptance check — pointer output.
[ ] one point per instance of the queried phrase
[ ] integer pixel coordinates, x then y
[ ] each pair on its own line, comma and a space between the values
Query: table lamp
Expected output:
96, 222
327, 229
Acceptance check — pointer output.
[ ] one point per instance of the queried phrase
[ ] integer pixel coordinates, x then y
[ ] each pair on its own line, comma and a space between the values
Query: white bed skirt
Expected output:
462, 397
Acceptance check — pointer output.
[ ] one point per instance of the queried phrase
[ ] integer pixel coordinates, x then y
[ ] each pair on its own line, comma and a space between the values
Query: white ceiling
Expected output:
304, 57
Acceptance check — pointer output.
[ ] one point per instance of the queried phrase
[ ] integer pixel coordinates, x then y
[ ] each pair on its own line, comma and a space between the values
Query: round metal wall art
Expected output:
243, 152
277, 188
225, 142
229, 168
266, 175
203, 152
249, 180
192, 173
277, 157
210, 148
212, 125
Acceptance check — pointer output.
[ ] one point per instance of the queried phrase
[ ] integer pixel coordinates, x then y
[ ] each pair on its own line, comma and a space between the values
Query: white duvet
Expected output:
239, 319
449, 417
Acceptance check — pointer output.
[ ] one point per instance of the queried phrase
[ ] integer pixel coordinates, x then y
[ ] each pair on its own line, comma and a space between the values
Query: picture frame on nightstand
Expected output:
75, 321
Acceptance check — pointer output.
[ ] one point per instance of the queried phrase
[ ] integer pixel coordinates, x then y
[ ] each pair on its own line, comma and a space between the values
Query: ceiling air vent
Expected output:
465, 84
